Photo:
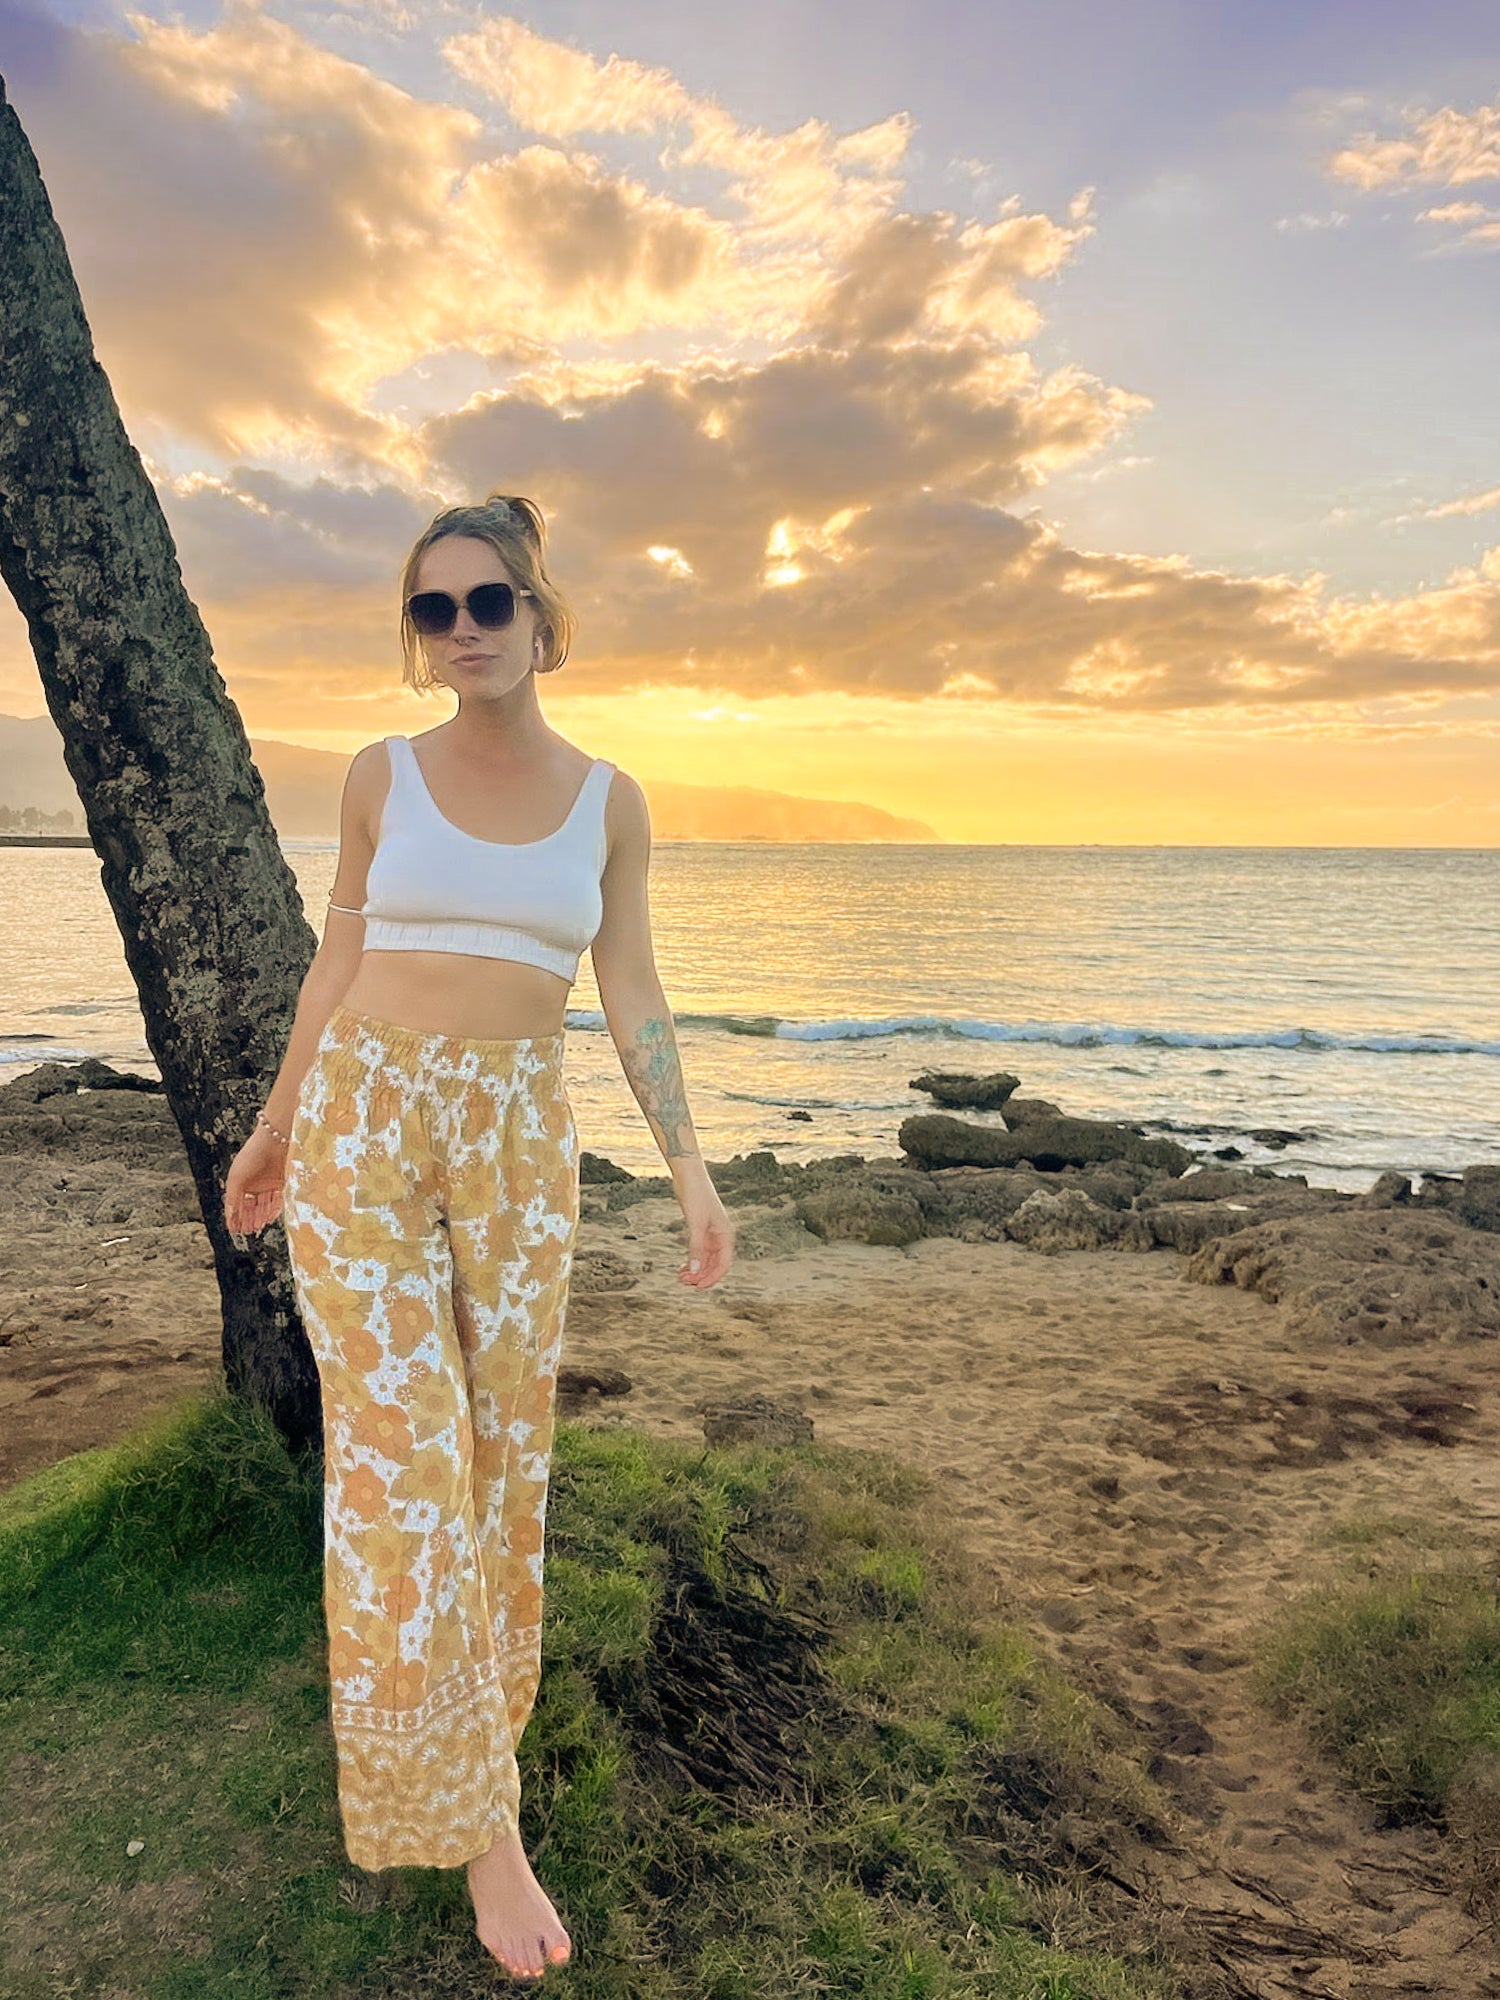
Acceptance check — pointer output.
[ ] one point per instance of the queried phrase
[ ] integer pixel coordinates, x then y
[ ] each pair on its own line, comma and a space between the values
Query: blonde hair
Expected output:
514, 528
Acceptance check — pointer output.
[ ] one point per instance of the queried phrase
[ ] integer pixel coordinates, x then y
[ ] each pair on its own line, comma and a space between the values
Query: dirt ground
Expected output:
1147, 1465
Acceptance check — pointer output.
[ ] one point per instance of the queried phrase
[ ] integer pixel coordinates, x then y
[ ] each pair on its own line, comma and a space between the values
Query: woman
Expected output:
421, 1141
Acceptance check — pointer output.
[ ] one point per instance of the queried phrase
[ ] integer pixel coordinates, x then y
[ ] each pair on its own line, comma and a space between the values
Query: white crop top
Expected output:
432, 887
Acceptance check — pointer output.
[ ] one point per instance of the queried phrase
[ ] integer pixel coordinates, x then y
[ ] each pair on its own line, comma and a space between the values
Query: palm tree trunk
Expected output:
207, 907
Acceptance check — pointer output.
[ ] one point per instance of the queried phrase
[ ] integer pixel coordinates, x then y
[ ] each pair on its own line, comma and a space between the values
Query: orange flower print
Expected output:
364, 1494
409, 1683
384, 1549
433, 1401
526, 1604
430, 1209
361, 1350
385, 1428
534, 1400
398, 1599
383, 1183
525, 1538
345, 1656
429, 1476
409, 1321
365, 1237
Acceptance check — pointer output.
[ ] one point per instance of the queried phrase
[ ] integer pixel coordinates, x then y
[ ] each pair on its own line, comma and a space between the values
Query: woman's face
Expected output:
470, 658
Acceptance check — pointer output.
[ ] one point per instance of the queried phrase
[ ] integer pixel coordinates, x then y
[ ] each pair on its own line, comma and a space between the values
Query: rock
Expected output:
1208, 1184
1273, 1136
754, 1420
1392, 1277
965, 1091
594, 1170
863, 1212
771, 1232
760, 1176
1064, 1221
51, 1079
931, 1140
1387, 1191
1198, 1209
975, 1203
601, 1271
1179, 1225
593, 1382
1478, 1203
1469, 1197
1028, 1111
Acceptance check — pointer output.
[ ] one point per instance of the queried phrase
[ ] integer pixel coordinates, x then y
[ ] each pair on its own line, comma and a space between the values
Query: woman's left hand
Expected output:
710, 1250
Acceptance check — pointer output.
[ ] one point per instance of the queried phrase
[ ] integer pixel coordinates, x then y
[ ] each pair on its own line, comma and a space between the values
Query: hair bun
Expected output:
520, 514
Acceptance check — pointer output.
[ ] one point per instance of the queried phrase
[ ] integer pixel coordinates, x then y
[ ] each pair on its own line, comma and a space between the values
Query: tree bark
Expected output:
208, 910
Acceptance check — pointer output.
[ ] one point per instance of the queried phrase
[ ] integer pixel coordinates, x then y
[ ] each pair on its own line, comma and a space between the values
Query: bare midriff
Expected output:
453, 993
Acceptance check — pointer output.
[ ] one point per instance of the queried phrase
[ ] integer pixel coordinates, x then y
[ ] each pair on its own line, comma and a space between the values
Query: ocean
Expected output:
1349, 994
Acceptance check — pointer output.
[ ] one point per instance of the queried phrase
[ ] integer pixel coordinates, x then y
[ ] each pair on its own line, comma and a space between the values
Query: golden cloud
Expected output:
809, 184
835, 507
1446, 146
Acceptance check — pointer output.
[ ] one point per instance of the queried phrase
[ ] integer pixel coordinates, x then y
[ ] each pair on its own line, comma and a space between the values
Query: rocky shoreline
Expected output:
1397, 1265
1401, 1264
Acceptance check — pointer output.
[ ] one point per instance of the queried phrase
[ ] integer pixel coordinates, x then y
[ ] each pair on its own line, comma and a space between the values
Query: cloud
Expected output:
786, 430
247, 537
854, 526
1444, 148
1301, 223
257, 264
1475, 503
807, 185
294, 229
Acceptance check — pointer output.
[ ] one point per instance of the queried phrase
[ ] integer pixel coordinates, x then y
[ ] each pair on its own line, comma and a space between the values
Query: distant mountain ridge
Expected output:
303, 787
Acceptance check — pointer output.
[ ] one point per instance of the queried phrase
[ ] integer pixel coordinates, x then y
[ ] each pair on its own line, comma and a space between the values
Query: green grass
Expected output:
777, 1749
1393, 1670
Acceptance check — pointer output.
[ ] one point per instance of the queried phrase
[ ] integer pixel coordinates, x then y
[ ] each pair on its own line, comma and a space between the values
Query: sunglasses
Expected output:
492, 606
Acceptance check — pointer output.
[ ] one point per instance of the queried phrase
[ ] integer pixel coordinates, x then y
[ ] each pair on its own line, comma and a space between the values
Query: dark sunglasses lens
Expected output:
432, 612
492, 605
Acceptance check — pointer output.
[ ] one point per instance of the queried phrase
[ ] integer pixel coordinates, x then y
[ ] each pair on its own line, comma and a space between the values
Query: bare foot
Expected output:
513, 1917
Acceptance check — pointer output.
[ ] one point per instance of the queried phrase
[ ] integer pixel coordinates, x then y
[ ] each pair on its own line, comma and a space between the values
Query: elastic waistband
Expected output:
422, 1044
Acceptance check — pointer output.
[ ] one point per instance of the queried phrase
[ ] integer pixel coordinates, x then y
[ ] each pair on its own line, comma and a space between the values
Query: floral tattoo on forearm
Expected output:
655, 1075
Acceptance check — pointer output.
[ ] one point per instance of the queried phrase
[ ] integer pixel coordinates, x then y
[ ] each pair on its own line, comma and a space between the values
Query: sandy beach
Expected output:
1145, 1450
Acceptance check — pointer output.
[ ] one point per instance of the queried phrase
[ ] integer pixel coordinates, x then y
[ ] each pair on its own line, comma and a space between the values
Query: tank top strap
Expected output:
599, 777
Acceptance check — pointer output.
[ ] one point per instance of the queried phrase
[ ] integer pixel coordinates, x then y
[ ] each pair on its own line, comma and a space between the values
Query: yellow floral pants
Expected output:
431, 1199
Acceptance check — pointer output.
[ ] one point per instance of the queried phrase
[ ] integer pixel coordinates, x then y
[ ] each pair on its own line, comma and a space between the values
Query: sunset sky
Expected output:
1054, 421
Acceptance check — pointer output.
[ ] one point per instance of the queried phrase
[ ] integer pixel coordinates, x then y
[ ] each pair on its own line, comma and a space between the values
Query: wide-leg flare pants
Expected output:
431, 1202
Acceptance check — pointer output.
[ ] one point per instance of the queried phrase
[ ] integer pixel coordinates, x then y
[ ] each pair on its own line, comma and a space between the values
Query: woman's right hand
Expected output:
252, 1187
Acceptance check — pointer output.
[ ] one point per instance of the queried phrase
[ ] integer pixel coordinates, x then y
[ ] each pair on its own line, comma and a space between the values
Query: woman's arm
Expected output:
253, 1185
338, 955
640, 1024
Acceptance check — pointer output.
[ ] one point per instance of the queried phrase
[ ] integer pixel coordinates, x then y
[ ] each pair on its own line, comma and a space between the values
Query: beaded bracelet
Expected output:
262, 1119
